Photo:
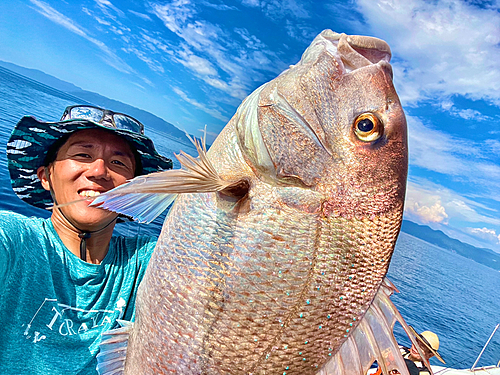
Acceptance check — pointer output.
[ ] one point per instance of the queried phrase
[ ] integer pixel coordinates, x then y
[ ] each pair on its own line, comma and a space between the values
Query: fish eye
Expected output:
368, 127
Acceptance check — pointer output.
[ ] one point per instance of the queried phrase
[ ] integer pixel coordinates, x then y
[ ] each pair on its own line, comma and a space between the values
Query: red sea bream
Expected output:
273, 257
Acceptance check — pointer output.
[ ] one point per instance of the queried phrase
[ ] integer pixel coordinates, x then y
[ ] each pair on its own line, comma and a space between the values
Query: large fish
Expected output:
273, 257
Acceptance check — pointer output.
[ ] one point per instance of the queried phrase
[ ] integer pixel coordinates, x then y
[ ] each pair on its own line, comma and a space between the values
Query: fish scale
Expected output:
273, 258
263, 270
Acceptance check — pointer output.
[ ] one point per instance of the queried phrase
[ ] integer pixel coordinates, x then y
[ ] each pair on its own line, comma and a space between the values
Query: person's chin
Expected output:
95, 217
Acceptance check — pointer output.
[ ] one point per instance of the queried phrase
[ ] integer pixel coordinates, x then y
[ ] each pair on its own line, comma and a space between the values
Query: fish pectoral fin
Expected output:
145, 197
113, 349
371, 340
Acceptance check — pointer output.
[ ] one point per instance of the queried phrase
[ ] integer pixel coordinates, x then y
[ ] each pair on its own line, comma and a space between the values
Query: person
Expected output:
66, 279
429, 344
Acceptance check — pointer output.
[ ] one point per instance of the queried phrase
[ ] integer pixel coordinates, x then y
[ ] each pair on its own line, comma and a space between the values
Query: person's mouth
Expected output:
89, 193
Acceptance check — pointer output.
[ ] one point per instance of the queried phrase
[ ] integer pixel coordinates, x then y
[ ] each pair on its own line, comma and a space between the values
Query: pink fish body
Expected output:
273, 257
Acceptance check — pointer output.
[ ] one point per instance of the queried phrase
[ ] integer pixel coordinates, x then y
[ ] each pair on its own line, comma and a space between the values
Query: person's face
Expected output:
414, 353
89, 163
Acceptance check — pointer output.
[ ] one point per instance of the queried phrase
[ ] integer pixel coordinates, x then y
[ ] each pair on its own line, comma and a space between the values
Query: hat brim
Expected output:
31, 139
424, 341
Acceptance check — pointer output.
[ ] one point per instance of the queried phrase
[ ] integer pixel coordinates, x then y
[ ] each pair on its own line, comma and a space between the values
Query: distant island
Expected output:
88, 97
436, 237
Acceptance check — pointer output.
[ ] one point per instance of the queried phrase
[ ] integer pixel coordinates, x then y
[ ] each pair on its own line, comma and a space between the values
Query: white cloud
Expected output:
47, 11
442, 47
486, 234
175, 14
141, 15
493, 146
106, 6
463, 159
211, 111
448, 106
153, 64
251, 41
429, 202
424, 206
195, 63
217, 56
251, 3
302, 32
155, 44
278, 9
218, 6
102, 22
110, 58
427, 214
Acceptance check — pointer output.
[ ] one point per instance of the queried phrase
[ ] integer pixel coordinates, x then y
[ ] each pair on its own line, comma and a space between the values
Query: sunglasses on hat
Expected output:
104, 117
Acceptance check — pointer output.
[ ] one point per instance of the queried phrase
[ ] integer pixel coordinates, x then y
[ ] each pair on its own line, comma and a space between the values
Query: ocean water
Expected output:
439, 290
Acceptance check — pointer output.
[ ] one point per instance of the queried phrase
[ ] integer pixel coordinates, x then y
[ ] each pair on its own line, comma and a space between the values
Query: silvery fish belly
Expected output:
273, 257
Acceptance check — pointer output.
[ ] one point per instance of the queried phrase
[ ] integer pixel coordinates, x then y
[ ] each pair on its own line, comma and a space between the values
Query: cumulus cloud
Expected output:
486, 234
428, 214
443, 47
424, 206
427, 202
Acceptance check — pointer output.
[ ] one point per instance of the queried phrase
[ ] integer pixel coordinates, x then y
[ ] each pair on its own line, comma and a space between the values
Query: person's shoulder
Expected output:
10, 220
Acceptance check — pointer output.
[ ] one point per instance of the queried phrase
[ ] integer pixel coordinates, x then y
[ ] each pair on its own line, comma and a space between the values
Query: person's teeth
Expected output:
90, 193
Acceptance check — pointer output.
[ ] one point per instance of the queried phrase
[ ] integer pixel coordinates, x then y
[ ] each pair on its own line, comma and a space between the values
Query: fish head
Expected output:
332, 124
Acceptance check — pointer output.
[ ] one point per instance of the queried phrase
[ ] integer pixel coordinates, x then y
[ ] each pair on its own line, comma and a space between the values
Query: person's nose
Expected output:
98, 170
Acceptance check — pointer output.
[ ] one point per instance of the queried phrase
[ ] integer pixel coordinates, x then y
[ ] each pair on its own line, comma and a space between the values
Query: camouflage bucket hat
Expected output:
31, 140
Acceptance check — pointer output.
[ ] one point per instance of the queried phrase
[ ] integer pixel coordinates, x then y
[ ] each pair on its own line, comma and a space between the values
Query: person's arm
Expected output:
9, 229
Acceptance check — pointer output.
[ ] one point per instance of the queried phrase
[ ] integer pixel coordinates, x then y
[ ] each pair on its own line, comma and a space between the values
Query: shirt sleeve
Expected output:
9, 237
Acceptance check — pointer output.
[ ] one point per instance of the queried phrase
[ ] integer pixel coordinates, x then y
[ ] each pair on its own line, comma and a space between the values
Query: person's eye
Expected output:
83, 155
122, 163
118, 162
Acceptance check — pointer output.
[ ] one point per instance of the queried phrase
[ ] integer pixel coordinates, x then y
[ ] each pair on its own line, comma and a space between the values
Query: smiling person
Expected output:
66, 279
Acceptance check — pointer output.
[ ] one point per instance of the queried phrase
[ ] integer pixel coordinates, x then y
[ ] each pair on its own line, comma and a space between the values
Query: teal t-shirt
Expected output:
53, 305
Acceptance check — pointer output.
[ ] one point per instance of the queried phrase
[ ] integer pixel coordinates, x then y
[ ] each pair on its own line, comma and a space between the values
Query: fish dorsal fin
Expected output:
145, 197
372, 340
113, 349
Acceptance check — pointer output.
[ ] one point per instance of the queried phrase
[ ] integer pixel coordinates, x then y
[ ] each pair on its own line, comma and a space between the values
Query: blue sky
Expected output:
192, 62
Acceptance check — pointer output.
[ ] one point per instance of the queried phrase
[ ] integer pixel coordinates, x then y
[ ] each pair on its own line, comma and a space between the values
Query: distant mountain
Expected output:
481, 255
87, 97
40, 76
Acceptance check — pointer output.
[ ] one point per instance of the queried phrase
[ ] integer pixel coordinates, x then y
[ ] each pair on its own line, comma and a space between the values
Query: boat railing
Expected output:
484, 347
